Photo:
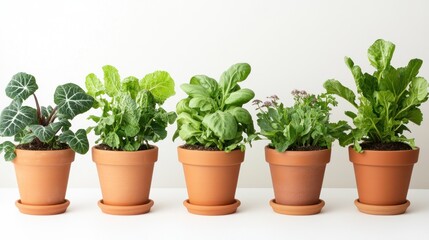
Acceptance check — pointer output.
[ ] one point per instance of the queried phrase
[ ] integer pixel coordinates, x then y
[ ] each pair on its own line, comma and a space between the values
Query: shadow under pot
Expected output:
125, 180
383, 179
297, 178
42, 178
211, 180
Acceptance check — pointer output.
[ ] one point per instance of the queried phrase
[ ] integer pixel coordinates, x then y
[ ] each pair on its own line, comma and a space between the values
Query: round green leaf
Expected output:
72, 100
15, 117
21, 86
160, 84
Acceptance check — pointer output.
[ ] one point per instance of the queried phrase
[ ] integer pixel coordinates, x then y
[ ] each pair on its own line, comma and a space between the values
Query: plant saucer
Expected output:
382, 209
42, 209
125, 210
212, 210
297, 210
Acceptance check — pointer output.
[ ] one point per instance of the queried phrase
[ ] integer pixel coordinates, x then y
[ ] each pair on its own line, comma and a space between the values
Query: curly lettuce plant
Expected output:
212, 115
42, 128
131, 112
304, 126
389, 99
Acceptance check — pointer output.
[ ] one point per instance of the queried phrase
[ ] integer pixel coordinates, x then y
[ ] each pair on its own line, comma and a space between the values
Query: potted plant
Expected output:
46, 145
131, 116
212, 122
300, 147
383, 157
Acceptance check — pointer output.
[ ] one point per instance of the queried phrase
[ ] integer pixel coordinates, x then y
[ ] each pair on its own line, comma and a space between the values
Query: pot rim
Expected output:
109, 157
44, 157
210, 158
297, 158
384, 158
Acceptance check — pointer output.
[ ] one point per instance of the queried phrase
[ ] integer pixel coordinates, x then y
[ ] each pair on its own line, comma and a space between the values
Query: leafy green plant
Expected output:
388, 99
304, 126
131, 109
212, 115
40, 127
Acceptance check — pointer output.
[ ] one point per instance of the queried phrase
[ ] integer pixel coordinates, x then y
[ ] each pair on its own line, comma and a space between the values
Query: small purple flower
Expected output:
256, 102
267, 104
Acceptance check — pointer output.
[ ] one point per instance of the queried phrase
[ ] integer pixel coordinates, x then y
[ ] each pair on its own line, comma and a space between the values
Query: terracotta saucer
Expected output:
42, 209
212, 210
125, 210
297, 210
382, 210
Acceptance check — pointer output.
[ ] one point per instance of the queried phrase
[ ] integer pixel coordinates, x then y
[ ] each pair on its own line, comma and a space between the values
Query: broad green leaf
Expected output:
15, 117
365, 83
419, 88
415, 115
72, 100
112, 80
94, 85
195, 90
380, 53
223, 124
243, 116
27, 138
78, 141
56, 126
131, 85
202, 103
411, 70
160, 84
44, 134
9, 150
389, 80
236, 73
187, 131
145, 99
21, 86
240, 97
185, 118
206, 82
335, 87
183, 106
112, 140
46, 111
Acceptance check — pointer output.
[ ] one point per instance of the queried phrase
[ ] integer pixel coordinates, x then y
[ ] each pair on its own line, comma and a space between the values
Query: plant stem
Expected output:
52, 116
38, 113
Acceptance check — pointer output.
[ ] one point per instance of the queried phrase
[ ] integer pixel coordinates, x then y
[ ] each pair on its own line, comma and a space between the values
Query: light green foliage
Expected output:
389, 98
304, 124
42, 124
131, 113
212, 114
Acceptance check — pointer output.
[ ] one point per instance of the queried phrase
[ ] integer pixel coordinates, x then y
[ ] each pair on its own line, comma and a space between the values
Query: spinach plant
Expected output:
131, 109
388, 99
39, 128
304, 126
212, 115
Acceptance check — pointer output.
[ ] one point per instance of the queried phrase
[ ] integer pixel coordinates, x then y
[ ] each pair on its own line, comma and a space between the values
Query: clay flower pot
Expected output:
42, 178
125, 179
211, 180
297, 178
382, 179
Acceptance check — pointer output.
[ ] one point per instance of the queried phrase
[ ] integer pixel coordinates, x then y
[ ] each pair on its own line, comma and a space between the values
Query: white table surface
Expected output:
254, 219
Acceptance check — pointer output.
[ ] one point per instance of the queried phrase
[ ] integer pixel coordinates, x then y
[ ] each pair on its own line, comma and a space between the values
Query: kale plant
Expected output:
212, 115
389, 99
304, 126
131, 112
41, 126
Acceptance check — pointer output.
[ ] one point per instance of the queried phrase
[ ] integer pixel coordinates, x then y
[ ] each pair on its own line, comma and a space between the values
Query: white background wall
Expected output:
289, 44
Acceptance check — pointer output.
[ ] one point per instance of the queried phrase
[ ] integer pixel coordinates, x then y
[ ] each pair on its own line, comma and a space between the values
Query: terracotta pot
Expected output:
125, 179
297, 178
42, 178
211, 180
383, 177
